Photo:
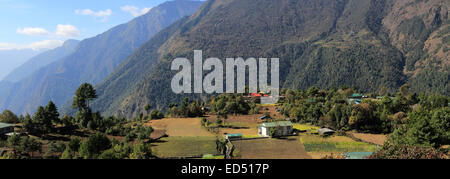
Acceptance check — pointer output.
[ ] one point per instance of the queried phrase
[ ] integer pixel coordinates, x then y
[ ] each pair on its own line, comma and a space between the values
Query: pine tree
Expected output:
52, 112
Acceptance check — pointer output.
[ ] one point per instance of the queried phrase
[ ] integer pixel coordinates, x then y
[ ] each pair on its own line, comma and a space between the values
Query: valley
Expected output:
344, 79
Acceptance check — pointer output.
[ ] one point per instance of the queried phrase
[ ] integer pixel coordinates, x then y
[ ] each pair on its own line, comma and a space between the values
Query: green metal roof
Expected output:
277, 124
357, 95
3, 125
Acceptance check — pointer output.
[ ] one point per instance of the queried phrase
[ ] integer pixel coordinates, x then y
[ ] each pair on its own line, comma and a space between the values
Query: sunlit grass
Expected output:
337, 144
210, 156
268, 105
185, 146
306, 127
251, 136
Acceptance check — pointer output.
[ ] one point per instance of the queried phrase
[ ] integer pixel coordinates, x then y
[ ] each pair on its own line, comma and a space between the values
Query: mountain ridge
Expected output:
41, 60
94, 59
344, 42
13, 58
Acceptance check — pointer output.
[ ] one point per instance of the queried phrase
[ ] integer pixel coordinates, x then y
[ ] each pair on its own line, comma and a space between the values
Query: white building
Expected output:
282, 128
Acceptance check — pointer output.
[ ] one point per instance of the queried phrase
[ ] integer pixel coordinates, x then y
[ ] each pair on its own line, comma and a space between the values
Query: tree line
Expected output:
418, 123
46, 122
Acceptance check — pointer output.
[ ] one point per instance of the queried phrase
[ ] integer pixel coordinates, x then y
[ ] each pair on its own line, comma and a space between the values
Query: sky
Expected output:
46, 24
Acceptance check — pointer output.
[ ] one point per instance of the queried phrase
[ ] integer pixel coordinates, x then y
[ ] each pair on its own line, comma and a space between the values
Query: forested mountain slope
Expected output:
367, 44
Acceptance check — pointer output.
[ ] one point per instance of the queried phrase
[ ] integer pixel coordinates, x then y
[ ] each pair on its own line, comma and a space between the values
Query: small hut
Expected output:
325, 131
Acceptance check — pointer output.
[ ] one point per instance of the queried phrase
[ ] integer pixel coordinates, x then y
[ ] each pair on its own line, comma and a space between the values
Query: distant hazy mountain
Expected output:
11, 59
93, 60
368, 44
41, 60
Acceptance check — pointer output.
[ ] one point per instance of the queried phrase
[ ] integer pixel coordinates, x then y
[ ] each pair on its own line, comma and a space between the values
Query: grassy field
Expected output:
184, 146
318, 146
378, 139
186, 127
243, 124
306, 127
286, 148
186, 138
246, 129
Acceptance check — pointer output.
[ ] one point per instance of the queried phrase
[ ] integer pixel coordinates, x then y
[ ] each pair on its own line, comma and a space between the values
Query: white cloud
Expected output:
62, 31
45, 44
33, 31
66, 31
101, 14
135, 11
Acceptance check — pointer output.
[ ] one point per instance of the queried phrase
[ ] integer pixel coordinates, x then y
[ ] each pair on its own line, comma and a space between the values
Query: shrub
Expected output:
156, 115
94, 146
390, 151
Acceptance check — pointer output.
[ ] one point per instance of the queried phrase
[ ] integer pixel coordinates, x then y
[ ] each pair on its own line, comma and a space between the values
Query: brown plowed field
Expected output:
185, 127
287, 148
378, 139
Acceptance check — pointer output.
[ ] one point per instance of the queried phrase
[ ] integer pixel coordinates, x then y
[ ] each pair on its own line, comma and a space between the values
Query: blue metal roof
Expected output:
357, 155
234, 135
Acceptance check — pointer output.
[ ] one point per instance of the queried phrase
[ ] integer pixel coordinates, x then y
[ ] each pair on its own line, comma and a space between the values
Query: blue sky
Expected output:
41, 24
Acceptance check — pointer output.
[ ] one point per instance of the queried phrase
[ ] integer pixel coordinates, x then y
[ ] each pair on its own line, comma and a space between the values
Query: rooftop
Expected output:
234, 135
277, 124
3, 125
357, 155
356, 95
325, 130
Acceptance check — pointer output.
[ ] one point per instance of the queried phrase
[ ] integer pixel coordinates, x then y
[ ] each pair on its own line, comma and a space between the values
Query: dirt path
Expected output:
287, 148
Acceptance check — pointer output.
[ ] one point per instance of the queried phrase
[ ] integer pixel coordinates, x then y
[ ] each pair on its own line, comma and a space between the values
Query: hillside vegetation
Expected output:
368, 44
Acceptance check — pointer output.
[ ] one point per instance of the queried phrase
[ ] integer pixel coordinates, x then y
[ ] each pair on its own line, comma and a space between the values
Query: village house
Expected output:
356, 98
282, 128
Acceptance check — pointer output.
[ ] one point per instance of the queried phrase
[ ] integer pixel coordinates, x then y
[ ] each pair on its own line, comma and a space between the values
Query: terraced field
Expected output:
186, 127
184, 146
319, 147
286, 148
378, 139
186, 138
